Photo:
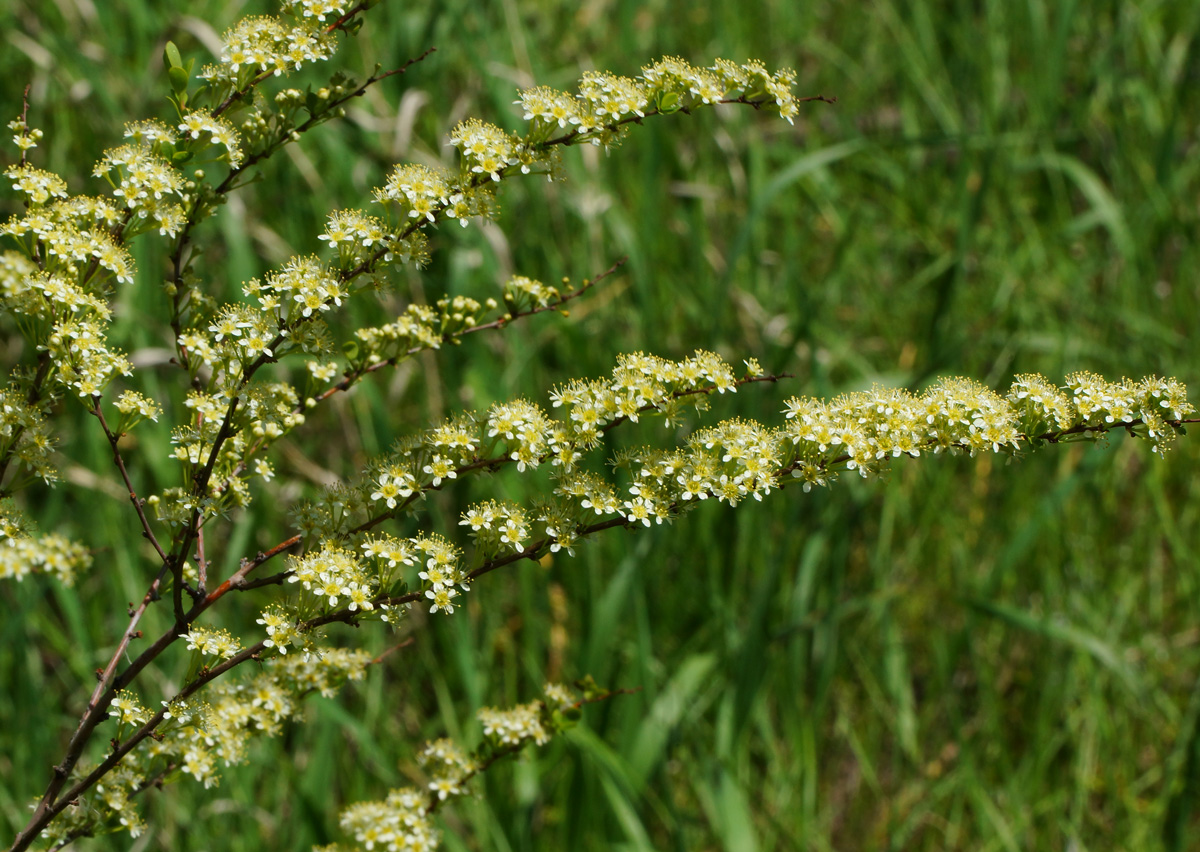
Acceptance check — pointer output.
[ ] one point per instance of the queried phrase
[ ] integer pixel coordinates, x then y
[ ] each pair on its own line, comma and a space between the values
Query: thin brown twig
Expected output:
46, 811
106, 675
147, 530
389, 651
237, 579
25, 124
52, 805
199, 488
201, 564
101, 698
51, 802
341, 22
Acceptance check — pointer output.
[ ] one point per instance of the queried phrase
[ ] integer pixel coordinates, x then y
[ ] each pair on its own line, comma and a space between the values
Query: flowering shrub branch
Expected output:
524, 297
401, 821
72, 256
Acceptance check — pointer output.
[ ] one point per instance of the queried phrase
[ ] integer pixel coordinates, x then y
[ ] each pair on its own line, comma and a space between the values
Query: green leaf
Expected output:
179, 79
171, 56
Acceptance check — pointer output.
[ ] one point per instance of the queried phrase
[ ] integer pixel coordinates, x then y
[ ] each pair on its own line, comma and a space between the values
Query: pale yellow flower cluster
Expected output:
212, 641
417, 195
523, 434
52, 554
318, 9
522, 293
737, 459
146, 183
404, 820
1150, 403
66, 292
671, 84
26, 137
399, 823
333, 574
262, 44
348, 229
202, 736
448, 765
38, 184
486, 149
419, 327
265, 413
86, 364
25, 438
427, 327
280, 623
336, 579
513, 725
202, 125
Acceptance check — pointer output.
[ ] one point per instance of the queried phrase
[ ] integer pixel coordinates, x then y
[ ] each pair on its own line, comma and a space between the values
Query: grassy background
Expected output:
960, 655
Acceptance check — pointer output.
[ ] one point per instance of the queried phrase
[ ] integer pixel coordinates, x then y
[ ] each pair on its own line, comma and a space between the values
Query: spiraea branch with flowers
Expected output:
248, 373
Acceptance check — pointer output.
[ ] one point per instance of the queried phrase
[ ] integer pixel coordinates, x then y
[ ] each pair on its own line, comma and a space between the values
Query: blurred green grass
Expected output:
960, 655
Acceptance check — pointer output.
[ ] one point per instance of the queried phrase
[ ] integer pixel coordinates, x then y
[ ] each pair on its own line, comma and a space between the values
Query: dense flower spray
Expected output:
69, 259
